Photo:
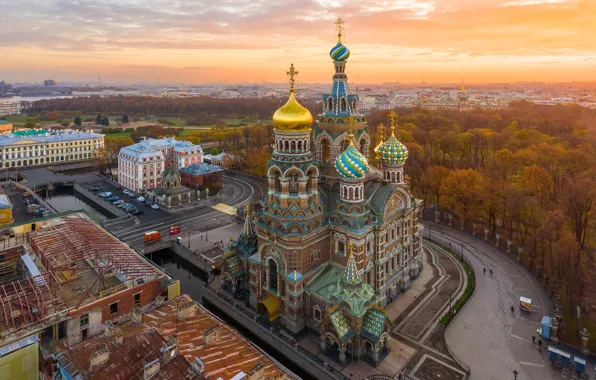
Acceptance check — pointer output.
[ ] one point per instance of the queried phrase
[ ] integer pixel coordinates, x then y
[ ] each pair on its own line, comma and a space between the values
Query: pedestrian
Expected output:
449, 245
533, 339
491, 272
484, 270
540, 344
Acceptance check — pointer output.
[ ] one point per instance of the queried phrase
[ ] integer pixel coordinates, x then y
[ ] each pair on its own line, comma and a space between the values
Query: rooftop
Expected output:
199, 343
45, 135
151, 148
200, 169
224, 350
66, 263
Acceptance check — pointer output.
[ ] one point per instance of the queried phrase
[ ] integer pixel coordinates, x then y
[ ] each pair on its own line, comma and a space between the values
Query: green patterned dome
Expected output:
351, 163
392, 151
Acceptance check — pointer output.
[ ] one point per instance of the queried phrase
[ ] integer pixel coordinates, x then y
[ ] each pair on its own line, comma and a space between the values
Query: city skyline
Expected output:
411, 41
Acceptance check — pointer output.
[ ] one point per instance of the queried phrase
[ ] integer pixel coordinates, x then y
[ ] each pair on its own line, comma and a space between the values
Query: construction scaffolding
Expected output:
65, 264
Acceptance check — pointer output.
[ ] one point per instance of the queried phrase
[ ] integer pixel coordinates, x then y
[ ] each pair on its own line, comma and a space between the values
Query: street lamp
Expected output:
449, 304
462, 251
430, 232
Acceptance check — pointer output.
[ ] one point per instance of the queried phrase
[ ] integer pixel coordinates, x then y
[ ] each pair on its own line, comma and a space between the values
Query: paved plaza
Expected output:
491, 340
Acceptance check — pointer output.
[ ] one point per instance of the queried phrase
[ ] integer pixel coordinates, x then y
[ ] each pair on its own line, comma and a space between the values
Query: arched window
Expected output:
286, 146
293, 146
357, 193
300, 146
272, 275
343, 105
329, 104
350, 193
316, 313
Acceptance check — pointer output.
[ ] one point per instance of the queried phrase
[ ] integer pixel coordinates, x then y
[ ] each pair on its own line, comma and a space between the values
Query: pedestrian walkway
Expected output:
493, 341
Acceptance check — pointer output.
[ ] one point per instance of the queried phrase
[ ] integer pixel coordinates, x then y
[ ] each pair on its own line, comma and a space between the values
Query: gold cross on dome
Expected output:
339, 25
292, 73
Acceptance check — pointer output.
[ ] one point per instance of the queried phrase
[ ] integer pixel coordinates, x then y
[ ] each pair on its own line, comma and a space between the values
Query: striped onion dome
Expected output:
393, 151
351, 163
339, 52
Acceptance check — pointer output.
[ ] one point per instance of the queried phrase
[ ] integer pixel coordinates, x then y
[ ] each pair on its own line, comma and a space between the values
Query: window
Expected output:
84, 320
114, 308
138, 299
317, 314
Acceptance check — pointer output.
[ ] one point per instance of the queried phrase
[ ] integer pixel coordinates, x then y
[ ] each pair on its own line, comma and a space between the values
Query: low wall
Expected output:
104, 205
292, 351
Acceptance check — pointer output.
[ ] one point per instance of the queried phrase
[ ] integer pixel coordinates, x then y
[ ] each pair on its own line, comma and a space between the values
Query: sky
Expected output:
254, 41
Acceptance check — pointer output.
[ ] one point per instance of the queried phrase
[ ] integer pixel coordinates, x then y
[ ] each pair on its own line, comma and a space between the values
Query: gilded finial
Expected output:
463, 86
392, 117
381, 129
247, 207
339, 24
350, 248
351, 135
292, 73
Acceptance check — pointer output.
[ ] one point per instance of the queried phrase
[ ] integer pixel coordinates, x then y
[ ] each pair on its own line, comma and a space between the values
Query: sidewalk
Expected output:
486, 333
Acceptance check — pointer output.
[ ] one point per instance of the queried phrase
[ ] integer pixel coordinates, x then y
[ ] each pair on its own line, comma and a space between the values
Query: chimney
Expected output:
210, 335
137, 316
119, 339
99, 358
168, 353
198, 366
159, 300
151, 369
108, 329
187, 311
257, 372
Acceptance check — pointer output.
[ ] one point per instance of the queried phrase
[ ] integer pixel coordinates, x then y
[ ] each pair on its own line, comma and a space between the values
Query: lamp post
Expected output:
430, 232
462, 251
450, 305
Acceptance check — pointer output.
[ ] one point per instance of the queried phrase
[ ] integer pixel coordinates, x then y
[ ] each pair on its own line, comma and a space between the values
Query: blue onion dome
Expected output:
351, 163
339, 52
393, 151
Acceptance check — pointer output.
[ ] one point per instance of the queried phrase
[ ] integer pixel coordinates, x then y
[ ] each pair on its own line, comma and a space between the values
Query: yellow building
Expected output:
5, 210
20, 360
41, 147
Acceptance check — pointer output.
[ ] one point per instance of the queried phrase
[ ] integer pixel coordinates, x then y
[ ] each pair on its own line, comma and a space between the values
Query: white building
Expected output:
10, 108
40, 147
140, 165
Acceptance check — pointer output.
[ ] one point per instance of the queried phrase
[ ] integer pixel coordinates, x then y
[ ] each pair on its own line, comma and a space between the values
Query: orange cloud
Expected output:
239, 41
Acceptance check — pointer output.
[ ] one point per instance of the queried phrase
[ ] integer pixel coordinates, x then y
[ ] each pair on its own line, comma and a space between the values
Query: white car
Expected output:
107, 194
155, 206
141, 199
126, 192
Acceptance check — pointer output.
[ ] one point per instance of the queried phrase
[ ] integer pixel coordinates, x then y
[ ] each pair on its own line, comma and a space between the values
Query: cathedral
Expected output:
337, 239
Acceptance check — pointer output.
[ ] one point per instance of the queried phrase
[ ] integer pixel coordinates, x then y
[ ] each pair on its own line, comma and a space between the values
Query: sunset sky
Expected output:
245, 41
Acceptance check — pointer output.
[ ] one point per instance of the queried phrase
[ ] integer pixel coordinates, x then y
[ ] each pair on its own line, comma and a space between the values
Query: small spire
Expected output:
247, 229
339, 25
381, 129
463, 86
351, 275
292, 73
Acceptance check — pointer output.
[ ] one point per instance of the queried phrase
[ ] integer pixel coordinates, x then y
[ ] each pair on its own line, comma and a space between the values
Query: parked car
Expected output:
122, 205
118, 187
126, 192
105, 194
113, 199
128, 207
132, 194
131, 210
138, 212
95, 188
141, 199
118, 202
155, 206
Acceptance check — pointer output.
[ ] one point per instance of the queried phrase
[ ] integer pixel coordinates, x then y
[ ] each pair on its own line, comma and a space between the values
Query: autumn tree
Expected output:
461, 191
431, 182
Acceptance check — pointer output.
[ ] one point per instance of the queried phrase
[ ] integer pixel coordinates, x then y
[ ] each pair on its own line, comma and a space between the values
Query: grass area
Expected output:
119, 134
461, 301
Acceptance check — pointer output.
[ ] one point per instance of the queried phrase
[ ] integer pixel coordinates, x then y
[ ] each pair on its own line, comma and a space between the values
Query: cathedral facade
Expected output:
337, 239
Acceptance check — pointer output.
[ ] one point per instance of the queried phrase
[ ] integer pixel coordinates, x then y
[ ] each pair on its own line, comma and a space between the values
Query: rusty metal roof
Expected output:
224, 351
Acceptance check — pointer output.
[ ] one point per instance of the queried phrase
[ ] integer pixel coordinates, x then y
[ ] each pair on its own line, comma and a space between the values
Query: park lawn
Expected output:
118, 134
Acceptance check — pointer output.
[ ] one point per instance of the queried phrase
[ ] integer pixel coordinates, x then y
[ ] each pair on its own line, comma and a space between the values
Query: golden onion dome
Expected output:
292, 116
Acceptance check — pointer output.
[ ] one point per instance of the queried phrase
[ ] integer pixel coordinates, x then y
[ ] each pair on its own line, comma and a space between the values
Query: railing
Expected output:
37, 197
98, 201
264, 325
